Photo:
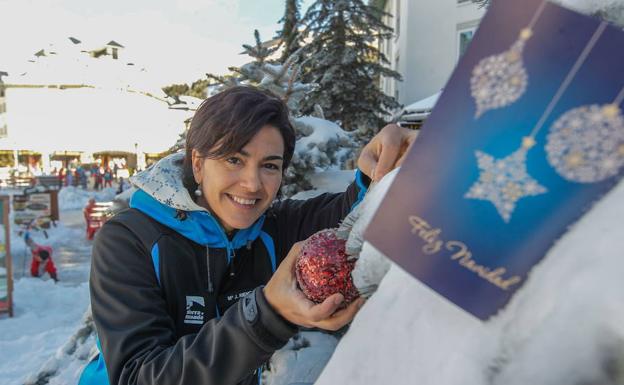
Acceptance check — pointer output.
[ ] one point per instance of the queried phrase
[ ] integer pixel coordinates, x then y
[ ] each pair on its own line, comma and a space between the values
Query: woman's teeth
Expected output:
243, 201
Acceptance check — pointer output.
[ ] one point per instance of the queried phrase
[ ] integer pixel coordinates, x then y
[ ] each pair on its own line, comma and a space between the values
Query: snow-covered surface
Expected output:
565, 325
319, 132
46, 314
123, 105
324, 145
327, 181
77, 198
424, 105
302, 359
588, 6
64, 62
48, 120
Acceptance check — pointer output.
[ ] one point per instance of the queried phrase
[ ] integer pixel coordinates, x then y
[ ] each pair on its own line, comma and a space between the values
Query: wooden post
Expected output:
4, 203
3, 113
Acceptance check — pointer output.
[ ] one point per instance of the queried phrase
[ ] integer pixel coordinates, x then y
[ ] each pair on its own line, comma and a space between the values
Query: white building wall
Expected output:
426, 48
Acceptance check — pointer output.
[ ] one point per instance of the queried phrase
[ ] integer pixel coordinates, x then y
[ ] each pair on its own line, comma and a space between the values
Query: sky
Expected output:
180, 40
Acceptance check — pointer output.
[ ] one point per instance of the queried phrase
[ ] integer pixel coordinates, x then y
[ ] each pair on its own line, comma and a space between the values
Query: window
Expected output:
464, 37
397, 18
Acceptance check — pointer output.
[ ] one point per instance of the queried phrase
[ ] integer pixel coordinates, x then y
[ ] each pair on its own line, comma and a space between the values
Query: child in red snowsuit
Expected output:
42, 262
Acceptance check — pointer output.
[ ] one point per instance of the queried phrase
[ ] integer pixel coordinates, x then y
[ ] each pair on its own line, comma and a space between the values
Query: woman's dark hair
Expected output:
227, 121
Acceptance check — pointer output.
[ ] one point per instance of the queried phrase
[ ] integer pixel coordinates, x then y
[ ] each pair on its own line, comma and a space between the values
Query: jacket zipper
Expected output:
210, 287
232, 272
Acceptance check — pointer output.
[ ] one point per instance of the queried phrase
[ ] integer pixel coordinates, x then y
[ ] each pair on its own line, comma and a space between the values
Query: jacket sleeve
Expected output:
137, 335
298, 219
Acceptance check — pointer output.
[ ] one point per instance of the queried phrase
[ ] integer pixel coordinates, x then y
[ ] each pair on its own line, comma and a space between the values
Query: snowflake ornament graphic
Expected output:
499, 80
504, 181
586, 144
576, 149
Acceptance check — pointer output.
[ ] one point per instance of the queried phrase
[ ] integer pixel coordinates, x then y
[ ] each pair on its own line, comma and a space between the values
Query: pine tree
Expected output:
289, 33
321, 144
175, 91
343, 59
482, 3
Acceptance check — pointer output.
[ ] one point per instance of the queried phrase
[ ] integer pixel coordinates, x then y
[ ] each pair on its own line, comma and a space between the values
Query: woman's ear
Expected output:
197, 163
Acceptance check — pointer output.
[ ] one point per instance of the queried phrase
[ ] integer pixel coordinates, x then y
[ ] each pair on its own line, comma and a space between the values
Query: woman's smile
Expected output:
244, 203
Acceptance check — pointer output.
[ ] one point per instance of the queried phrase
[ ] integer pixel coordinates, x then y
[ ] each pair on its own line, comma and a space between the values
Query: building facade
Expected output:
429, 38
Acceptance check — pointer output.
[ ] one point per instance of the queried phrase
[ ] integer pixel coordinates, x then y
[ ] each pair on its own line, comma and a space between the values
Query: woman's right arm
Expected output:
137, 334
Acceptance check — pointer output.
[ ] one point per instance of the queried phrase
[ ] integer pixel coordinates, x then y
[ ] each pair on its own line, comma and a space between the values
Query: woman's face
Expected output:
238, 188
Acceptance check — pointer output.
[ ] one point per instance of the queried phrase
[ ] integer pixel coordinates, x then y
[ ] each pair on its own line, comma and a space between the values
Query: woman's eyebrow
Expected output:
270, 157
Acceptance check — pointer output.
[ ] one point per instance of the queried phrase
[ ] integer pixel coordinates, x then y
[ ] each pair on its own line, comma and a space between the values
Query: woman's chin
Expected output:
239, 223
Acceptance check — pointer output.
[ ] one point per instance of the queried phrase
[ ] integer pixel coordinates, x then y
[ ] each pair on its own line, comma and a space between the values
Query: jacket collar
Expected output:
161, 195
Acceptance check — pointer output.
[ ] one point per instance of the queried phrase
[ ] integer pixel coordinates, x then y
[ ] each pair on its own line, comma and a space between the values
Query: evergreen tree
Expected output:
175, 91
321, 144
343, 59
281, 79
482, 3
289, 33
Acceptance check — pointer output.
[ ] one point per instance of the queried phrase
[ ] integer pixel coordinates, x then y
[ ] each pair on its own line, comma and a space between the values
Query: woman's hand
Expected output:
289, 301
385, 151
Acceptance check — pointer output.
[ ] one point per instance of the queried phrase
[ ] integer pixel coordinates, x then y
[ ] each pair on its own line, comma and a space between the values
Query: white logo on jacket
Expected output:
194, 310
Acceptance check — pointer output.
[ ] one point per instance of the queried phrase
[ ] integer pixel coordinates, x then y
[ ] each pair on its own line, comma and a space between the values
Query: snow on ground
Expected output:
564, 326
46, 314
76, 198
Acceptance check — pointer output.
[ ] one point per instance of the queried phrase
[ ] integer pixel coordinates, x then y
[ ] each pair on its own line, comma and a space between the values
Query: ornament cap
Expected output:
611, 110
526, 34
528, 142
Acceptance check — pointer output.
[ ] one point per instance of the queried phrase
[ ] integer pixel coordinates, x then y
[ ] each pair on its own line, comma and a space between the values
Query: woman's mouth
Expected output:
242, 202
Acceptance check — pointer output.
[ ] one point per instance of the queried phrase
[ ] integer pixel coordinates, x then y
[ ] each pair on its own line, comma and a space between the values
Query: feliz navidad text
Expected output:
459, 253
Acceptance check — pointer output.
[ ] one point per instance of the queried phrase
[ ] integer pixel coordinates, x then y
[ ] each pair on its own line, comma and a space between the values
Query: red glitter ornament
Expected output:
322, 268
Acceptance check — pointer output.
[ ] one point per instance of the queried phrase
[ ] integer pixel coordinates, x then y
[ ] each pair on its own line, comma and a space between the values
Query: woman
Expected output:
177, 281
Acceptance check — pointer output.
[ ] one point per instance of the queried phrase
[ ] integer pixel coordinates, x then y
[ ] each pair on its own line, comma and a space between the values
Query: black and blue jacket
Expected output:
169, 312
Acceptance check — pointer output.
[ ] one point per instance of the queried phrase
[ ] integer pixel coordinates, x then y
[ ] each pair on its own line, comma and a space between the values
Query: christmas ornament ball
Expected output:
322, 268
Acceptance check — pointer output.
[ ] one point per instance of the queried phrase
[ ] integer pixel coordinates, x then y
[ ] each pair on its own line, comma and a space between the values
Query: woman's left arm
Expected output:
298, 219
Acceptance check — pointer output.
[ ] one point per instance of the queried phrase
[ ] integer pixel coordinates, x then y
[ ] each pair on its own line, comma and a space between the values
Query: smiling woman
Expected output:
177, 280
238, 183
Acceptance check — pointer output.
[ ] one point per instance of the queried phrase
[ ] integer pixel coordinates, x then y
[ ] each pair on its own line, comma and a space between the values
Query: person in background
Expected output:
41, 262
123, 186
69, 177
108, 177
61, 177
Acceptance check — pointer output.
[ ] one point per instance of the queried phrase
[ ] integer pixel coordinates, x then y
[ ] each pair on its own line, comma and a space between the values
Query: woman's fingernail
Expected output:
338, 300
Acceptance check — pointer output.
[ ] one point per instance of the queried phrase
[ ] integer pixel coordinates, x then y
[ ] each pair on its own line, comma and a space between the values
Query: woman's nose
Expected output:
251, 179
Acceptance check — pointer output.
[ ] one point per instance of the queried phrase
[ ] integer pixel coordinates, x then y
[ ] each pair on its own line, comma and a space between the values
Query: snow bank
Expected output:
45, 314
565, 325
76, 198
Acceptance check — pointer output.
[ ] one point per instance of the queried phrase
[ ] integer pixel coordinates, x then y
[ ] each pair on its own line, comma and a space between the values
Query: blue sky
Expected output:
178, 39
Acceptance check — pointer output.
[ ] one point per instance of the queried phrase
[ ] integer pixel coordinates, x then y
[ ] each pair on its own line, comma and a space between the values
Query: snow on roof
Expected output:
113, 43
424, 105
72, 64
91, 120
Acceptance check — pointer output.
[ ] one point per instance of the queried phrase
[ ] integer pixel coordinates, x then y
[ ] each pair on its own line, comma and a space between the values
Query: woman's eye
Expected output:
233, 160
272, 166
